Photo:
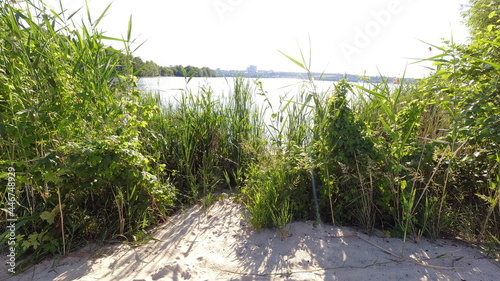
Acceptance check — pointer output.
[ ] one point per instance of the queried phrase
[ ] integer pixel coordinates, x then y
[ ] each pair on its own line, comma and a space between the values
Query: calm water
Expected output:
170, 88
277, 91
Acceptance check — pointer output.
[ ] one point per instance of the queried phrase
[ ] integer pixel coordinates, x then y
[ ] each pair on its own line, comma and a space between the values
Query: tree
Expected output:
137, 64
166, 71
123, 65
202, 72
151, 69
482, 16
178, 70
209, 72
191, 70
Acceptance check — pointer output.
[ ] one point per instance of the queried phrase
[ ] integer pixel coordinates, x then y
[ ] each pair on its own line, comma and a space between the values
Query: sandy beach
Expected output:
218, 244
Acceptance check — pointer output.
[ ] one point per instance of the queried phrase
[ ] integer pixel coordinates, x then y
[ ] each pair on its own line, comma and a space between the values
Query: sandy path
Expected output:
217, 244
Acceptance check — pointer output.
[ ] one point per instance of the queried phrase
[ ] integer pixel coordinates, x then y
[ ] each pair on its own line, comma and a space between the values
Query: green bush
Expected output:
344, 152
102, 189
278, 189
71, 128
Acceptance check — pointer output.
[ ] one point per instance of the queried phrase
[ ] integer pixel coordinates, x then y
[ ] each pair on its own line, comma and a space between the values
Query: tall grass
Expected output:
390, 158
206, 141
70, 129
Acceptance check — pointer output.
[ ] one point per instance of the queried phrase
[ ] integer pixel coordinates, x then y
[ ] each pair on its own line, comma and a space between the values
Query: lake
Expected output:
170, 88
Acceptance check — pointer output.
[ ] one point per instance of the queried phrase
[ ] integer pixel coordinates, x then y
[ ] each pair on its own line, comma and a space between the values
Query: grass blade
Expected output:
129, 29
293, 60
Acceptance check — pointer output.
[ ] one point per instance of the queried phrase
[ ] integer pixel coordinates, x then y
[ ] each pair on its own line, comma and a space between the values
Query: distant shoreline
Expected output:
334, 77
302, 75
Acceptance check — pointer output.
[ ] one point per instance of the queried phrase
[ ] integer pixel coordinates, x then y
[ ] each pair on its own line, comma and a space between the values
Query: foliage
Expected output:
107, 190
205, 141
466, 82
97, 159
71, 128
414, 158
482, 16
151, 69
277, 189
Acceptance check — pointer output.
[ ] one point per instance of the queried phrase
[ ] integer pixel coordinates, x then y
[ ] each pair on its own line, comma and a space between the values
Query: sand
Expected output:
218, 244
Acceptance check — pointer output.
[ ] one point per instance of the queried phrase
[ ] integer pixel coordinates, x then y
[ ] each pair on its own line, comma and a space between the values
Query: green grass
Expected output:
204, 141
71, 128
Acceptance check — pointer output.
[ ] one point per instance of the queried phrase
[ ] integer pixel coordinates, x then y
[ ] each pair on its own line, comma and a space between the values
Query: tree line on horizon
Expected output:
151, 69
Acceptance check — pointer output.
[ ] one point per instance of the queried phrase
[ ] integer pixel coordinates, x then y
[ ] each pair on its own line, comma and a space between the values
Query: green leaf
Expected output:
293, 60
403, 185
56, 209
441, 256
129, 29
47, 216
33, 240
100, 36
375, 94
495, 65
492, 14
94, 160
102, 15
74, 13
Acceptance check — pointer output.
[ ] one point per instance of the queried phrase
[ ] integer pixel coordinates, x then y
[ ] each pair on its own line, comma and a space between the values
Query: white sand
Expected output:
217, 244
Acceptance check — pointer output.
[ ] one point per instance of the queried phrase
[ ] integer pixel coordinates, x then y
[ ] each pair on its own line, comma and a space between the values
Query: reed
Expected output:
205, 140
71, 128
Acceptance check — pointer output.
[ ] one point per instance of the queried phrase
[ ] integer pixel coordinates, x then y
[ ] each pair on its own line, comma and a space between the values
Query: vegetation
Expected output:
96, 160
482, 16
151, 69
72, 131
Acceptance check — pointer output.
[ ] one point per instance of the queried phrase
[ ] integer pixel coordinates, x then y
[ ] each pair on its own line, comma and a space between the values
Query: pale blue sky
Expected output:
346, 36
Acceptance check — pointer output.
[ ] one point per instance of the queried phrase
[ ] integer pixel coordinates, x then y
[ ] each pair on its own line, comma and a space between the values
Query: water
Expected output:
277, 92
170, 88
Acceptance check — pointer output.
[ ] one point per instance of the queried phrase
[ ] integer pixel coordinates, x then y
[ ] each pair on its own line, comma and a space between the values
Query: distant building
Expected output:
252, 69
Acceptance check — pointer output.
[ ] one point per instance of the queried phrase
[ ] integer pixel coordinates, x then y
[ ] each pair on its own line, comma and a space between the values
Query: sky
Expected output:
357, 37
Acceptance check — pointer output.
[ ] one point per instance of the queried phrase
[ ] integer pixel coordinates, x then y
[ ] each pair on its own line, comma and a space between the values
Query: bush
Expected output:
278, 189
93, 190
71, 129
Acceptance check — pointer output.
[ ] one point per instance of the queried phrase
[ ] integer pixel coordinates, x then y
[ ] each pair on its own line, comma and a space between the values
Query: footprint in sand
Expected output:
171, 269
186, 275
164, 271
